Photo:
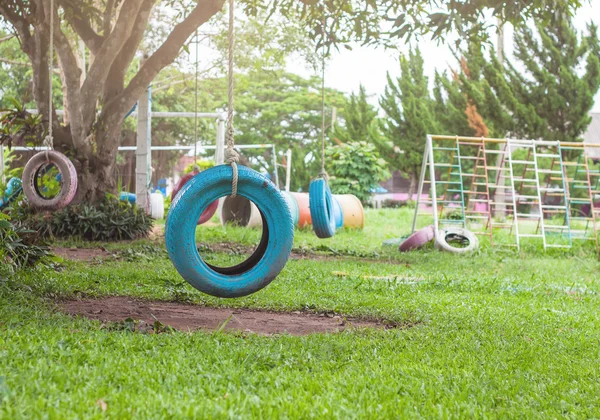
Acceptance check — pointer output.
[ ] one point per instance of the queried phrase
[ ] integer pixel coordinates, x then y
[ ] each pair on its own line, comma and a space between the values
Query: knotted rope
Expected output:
49, 140
231, 155
323, 173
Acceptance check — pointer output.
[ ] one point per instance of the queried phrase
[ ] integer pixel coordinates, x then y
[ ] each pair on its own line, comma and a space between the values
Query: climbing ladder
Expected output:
449, 207
479, 192
533, 189
582, 188
554, 200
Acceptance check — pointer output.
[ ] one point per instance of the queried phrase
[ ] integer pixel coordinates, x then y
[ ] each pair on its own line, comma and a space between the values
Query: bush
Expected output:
109, 220
19, 247
355, 168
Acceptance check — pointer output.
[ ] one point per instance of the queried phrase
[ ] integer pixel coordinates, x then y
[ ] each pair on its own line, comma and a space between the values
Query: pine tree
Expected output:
467, 103
410, 111
554, 97
550, 99
360, 120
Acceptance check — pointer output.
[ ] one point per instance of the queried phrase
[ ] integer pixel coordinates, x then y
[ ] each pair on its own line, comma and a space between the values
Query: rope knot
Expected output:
231, 156
324, 175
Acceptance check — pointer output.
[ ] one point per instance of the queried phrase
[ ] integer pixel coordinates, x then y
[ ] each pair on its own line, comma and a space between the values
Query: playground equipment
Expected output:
352, 211
319, 194
293, 205
210, 210
445, 238
12, 191
515, 189
321, 208
275, 246
34, 170
240, 211
418, 239
302, 200
40, 162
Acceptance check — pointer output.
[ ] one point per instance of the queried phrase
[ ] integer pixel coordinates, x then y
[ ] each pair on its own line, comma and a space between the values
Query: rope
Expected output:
231, 156
196, 168
49, 141
323, 173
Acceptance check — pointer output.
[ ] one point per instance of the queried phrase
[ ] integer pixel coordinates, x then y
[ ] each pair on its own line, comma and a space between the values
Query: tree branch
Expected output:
75, 17
116, 77
107, 17
22, 63
21, 25
162, 57
107, 53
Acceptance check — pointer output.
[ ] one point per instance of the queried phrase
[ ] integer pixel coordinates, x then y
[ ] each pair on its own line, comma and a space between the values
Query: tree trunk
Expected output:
413, 185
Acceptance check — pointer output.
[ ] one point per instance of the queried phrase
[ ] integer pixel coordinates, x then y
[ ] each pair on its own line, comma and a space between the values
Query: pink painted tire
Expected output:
210, 210
68, 180
418, 239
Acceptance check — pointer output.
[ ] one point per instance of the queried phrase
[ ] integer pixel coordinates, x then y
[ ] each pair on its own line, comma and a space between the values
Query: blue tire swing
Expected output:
325, 211
275, 246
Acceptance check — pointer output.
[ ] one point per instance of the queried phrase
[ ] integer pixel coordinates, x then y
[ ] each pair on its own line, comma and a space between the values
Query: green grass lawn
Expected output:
493, 334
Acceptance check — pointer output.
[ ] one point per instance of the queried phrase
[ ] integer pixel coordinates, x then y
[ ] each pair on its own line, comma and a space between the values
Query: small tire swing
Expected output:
323, 209
38, 164
68, 180
275, 246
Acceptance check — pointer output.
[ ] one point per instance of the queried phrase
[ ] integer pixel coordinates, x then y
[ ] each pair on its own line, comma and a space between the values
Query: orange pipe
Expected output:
303, 206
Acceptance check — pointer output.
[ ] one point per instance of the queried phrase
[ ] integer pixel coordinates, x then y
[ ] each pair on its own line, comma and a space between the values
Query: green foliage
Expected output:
355, 168
108, 220
19, 247
550, 100
9, 172
410, 111
201, 164
360, 120
284, 109
18, 126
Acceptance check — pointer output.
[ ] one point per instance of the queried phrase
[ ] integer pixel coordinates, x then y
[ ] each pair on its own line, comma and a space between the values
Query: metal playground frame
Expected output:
538, 189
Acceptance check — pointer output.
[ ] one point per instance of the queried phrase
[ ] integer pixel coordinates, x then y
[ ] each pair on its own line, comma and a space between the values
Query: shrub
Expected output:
355, 168
19, 247
203, 164
108, 220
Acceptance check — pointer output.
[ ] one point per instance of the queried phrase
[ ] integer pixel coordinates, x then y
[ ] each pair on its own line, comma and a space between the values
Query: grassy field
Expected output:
493, 334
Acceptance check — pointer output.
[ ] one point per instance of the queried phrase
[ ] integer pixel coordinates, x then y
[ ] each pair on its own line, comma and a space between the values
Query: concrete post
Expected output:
143, 154
288, 170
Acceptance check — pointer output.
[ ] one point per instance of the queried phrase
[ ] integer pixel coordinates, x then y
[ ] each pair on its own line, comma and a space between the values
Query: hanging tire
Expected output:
321, 208
262, 266
210, 210
418, 239
446, 236
68, 178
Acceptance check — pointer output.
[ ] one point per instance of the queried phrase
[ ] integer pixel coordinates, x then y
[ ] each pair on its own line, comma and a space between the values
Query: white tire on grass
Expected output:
445, 236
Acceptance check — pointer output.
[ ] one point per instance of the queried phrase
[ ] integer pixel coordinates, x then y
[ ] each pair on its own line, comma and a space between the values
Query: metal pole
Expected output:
288, 170
220, 150
275, 167
143, 158
420, 189
432, 185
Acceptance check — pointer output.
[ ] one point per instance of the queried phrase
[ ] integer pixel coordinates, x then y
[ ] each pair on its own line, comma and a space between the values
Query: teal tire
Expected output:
321, 208
262, 266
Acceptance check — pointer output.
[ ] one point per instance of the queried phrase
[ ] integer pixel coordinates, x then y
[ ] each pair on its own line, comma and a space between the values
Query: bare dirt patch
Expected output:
186, 317
81, 254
